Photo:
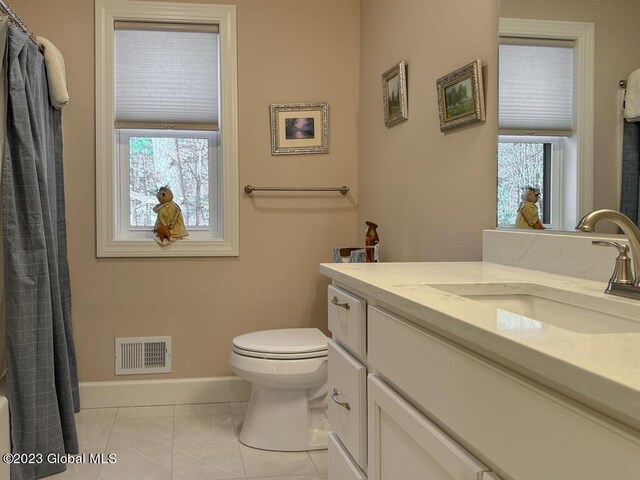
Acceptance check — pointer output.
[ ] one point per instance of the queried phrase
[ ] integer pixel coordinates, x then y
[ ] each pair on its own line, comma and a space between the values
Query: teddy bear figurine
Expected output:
528, 216
169, 226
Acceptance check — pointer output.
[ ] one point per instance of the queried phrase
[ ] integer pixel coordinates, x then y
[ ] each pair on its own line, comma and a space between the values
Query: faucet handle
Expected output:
622, 274
623, 250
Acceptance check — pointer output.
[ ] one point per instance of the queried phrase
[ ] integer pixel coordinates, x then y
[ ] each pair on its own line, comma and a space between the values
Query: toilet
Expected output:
287, 369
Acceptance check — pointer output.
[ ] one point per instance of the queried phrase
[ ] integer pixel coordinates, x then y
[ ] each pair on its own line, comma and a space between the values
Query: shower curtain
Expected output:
630, 187
41, 362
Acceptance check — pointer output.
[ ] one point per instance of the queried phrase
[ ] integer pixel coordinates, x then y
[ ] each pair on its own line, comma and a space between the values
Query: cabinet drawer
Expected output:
341, 465
347, 320
490, 476
498, 416
404, 444
347, 403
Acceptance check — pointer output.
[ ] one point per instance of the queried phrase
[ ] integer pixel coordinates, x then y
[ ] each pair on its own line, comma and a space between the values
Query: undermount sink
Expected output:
526, 306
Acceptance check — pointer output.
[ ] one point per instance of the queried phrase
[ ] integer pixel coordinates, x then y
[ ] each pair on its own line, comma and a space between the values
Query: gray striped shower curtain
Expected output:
41, 363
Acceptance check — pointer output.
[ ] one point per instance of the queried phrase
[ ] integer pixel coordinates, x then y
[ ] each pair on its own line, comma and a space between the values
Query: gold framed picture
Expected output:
461, 97
299, 128
394, 94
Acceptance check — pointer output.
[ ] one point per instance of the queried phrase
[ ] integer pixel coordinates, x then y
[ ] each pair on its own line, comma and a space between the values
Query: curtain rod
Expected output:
16, 20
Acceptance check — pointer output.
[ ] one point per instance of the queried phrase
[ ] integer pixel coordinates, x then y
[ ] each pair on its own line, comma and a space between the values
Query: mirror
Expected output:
617, 35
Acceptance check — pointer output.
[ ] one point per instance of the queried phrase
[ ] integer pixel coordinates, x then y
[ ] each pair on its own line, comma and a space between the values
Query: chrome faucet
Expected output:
621, 285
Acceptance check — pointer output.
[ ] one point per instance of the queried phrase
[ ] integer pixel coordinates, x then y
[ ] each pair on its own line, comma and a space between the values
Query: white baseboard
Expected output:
133, 393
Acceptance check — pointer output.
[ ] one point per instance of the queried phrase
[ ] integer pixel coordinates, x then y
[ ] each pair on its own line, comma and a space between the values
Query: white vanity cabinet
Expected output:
436, 410
524, 431
375, 433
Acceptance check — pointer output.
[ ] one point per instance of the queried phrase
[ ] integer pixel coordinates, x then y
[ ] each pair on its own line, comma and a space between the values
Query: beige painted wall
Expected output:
431, 193
616, 55
288, 51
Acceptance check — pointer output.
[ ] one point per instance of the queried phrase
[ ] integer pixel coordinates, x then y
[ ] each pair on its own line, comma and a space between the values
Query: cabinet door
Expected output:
501, 416
405, 444
347, 403
341, 465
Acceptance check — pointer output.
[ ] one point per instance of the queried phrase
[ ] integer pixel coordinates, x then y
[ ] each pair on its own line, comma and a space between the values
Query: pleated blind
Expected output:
536, 89
166, 76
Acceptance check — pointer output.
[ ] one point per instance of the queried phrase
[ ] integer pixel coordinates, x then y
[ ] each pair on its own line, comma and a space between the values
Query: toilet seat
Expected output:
282, 344
279, 356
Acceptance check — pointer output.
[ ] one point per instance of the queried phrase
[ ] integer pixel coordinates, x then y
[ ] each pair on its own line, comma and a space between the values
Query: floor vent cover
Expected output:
136, 355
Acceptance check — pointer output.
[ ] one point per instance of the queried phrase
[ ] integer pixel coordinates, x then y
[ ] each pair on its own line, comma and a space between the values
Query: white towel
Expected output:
632, 98
54, 62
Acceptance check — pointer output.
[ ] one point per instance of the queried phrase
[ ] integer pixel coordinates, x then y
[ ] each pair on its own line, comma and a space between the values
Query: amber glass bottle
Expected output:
371, 238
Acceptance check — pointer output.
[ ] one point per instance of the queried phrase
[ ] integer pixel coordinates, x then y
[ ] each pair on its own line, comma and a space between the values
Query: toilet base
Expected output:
286, 421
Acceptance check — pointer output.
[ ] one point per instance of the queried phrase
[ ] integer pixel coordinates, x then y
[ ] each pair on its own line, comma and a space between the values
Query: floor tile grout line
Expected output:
314, 463
237, 436
104, 451
173, 440
236, 431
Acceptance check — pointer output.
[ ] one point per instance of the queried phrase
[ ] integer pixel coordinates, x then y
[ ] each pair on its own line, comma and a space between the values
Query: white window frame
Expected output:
556, 174
583, 34
111, 240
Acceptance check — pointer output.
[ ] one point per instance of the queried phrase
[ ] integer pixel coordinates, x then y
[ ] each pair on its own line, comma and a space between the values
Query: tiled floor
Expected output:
182, 442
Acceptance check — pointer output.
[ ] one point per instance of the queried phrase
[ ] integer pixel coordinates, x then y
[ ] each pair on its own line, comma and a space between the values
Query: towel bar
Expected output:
249, 189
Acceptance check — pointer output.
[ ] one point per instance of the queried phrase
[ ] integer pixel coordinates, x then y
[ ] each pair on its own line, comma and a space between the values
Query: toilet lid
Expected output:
285, 341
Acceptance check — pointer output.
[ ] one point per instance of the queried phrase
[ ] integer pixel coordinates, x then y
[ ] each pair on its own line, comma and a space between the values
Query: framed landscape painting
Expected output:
461, 97
394, 94
299, 128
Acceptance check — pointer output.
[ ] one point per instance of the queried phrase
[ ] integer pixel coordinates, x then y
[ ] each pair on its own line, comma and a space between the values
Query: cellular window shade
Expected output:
536, 89
166, 78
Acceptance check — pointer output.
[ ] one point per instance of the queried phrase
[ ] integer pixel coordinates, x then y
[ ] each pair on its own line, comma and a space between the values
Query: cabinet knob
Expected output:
345, 305
334, 394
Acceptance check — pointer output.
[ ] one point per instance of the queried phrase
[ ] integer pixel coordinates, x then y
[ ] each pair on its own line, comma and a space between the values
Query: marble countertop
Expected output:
598, 369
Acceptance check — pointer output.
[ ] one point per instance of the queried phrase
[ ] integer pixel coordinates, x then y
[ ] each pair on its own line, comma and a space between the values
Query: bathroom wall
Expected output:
616, 56
288, 51
431, 193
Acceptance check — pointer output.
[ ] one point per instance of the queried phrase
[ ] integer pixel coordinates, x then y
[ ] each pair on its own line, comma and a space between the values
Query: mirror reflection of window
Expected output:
536, 125
524, 162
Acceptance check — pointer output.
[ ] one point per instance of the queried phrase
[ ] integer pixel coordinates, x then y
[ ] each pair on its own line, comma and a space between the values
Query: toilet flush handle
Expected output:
345, 305
334, 394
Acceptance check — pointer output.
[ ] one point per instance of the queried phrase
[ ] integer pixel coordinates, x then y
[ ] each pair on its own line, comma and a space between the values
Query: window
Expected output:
546, 119
536, 117
185, 160
529, 161
166, 115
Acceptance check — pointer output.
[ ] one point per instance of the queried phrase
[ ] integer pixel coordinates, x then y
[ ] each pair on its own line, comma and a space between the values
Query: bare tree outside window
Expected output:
181, 163
520, 164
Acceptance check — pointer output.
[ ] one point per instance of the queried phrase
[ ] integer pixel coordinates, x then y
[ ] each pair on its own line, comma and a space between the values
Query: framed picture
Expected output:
461, 97
394, 94
299, 128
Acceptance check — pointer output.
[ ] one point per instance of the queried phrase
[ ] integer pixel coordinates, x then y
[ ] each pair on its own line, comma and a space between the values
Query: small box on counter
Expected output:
355, 254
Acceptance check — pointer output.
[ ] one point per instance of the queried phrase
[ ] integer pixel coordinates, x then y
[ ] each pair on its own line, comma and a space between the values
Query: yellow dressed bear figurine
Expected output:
528, 216
170, 224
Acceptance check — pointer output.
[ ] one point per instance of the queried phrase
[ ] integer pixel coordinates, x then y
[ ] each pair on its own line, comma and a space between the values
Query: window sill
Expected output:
185, 247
